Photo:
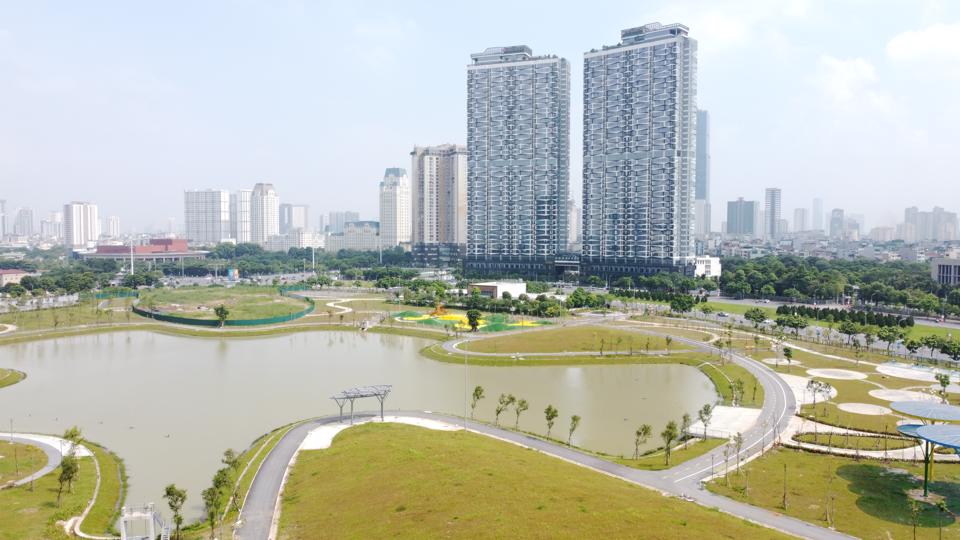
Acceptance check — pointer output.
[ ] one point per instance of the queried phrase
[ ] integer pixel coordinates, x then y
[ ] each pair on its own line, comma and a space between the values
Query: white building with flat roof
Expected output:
81, 225
264, 213
206, 215
708, 267
395, 216
495, 289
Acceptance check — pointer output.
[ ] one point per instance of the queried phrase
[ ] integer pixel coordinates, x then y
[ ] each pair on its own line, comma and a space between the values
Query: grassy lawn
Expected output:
10, 377
242, 302
866, 498
380, 480
81, 314
113, 481
655, 460
573, 339
855, 442
19, 460
33, 514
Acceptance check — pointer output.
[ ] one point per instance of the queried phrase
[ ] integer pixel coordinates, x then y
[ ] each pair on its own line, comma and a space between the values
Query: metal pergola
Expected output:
929, 433
379, 391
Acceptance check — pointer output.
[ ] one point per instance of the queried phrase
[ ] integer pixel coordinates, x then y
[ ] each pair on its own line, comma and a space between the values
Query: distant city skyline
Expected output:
150, 119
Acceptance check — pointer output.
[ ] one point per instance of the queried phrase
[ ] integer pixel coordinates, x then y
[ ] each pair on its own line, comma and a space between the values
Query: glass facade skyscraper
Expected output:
518, 151
639, 153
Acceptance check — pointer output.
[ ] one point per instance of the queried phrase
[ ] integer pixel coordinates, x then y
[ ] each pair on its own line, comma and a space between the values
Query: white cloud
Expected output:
933, 43
849, 83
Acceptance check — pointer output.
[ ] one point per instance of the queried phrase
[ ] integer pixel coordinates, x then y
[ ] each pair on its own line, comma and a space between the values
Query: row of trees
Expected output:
222, 495
840, 315
890, 283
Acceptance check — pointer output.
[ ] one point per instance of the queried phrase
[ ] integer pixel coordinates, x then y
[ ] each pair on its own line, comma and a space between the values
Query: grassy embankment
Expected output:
864, 498
573, 339
856, 442
10, 377
19, 461
242, 302
381, 480
26, 513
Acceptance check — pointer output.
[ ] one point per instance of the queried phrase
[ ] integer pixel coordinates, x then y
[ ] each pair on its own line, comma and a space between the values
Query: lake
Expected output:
169, 406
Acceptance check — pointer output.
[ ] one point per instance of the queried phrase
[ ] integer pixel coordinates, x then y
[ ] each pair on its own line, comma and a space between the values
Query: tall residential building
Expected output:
52, 227
240, 215
206, 215
801, 220
573, 226
3, 218
771, 213
321, 224
518, 160
264, 213
818, 215
113, 227
702, 207
23, 223
742, 218
439, 194
81, 225
395, 217
639, 153
837, 224
294, 216
937, 225
337, 220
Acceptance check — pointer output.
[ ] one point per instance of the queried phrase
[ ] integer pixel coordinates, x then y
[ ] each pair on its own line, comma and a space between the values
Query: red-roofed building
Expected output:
11, 275
158, 250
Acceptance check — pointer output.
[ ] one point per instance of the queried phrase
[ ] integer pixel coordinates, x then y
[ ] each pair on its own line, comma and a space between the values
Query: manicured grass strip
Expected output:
86, 312
380, 480
19, 460
573, 339
828, 413
740, 309
864, 498
9, 377
113, 486
855, 442
655, 461
33, 514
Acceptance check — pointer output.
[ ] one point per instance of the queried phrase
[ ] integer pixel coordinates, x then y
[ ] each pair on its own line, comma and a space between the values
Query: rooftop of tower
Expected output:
513, 53
647, 33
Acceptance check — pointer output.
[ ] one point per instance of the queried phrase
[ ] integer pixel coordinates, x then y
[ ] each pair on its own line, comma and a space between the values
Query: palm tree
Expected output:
639, 438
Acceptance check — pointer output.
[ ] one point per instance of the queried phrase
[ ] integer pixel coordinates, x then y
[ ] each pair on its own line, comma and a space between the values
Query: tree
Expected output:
736, 391
705, 414
551, 414
756, 316
849, 329
477, 396
521, 406
682, 303
503, 403
912, 345
222, 313
951, 348
69, 468
211, 505
574, 424
640, 438
944, 381
175, 499
669, 434
685, 422
738, 442
788, 354
473, 319
231, 459
669, 341
890, 335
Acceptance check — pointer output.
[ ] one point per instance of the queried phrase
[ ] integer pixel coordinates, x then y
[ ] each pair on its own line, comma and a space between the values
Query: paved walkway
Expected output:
261, 506
50, 445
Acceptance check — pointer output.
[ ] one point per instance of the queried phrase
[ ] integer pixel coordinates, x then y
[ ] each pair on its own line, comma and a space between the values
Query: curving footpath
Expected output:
53, 458
261, 508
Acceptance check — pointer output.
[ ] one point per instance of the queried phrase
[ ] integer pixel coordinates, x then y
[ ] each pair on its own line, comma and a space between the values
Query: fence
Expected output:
229, 322
106, 295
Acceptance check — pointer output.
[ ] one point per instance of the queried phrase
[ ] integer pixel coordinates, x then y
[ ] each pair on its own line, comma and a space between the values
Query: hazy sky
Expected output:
126, 103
